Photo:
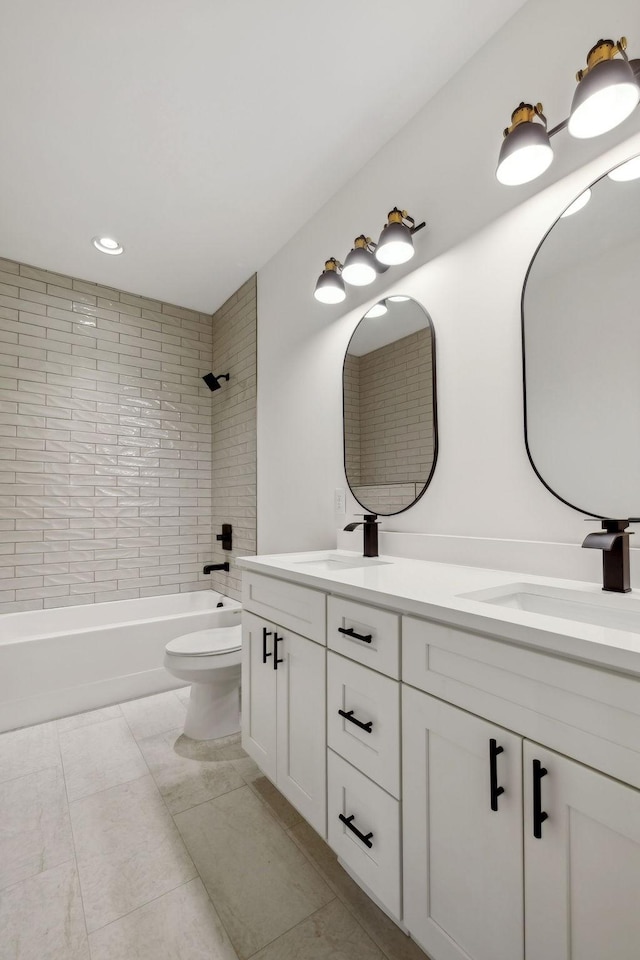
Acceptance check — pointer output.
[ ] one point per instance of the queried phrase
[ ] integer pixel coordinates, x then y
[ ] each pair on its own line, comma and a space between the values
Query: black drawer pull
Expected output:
366, 838
496, 791
265, 633
348, 715
539, 816
350, 632
276, 659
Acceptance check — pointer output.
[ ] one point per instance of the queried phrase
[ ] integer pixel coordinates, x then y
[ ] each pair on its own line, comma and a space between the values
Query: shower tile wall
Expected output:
233, 427
105, 443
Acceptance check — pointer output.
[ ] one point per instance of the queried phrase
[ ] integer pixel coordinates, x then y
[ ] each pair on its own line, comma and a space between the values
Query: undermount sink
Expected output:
617, 612
341, 563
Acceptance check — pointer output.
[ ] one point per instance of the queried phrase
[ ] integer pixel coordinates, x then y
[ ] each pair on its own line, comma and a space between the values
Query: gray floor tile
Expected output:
280, 807
28, 750
41, 918
152, 715
395, 944
181, 925
248, 769
128, 849
87, 719
99, 756
183, 694
330, 934
260, 882
35, 832
185, 782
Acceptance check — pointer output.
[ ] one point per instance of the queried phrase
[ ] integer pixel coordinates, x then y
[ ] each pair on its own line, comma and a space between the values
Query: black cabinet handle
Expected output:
496, 791
265, 633
276, 660
348, 822
350, 632
539, 816
348, 715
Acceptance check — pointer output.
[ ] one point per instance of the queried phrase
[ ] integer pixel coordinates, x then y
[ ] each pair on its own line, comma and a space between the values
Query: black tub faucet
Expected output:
210, 567
614, 543
370, 529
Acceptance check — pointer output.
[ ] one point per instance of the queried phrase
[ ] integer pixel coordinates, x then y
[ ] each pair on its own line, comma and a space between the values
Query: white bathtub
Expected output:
57, 662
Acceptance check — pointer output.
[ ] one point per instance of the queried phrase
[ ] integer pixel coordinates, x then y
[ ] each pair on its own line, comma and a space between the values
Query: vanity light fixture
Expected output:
577, 204
108, 245
360, 266
377, 310
608, 91
396, 240
330, 285
366, 260
626, 171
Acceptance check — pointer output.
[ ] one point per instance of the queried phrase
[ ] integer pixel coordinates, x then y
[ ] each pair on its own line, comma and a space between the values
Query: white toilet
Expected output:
210, 661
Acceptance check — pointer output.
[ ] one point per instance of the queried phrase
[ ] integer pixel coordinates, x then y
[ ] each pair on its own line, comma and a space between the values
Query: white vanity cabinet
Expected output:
480, 779
512, 850
284, 695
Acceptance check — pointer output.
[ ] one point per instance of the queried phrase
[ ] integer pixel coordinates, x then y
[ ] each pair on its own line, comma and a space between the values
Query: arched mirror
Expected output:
581, 350
389, 389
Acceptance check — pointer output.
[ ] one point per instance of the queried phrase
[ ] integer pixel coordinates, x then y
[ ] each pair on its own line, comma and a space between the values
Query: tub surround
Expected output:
481, 768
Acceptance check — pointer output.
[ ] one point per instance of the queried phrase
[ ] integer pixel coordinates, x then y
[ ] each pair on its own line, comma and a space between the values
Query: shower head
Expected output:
213, 381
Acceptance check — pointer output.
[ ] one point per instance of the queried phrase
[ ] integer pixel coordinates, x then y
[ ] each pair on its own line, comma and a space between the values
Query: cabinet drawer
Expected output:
374, 857
298, 608
380, 629
585, 712
374, 702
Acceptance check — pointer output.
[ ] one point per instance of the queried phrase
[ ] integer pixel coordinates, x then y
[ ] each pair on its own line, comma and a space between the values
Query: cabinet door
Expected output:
582, 875
259, 692
462, 859
302, 739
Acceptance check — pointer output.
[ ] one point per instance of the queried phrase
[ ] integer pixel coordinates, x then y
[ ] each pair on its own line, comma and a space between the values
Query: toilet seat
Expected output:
206, 643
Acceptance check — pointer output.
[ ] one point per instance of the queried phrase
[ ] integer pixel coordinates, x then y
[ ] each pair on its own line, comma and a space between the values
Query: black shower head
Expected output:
213, 381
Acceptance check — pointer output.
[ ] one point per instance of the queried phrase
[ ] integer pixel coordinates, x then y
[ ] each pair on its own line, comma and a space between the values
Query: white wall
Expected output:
440, 168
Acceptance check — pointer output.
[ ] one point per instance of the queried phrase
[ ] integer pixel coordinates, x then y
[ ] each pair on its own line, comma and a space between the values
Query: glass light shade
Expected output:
377, 310
524, 155
626, 171
603, 99
577, 204
329, 287
395, 245
359, 267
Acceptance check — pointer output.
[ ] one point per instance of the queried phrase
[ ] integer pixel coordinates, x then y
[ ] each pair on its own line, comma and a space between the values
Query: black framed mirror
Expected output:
581, 350
389, 406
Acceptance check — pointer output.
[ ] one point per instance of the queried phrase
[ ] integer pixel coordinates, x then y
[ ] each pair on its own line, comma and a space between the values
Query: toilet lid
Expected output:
207, 642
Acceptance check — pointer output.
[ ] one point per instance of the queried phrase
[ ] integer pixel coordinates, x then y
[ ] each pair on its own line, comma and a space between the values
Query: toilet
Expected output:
210, 661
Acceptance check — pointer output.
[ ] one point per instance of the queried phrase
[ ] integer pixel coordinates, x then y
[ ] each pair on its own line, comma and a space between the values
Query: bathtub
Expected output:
54, 663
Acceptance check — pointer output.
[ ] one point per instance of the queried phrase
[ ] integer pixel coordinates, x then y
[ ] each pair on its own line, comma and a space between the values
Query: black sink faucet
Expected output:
614, 543
370, 528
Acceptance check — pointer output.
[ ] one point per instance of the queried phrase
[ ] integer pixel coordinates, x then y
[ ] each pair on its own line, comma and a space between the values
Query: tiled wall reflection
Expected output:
105, 443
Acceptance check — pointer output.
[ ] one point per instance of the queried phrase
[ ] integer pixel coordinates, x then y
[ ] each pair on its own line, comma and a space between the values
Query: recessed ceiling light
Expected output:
107, 245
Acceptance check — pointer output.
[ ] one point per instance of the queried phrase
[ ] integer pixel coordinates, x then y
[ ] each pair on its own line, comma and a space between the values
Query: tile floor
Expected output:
121, 839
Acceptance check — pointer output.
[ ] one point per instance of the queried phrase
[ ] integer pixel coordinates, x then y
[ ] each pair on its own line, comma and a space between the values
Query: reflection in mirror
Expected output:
581, 342
390, 435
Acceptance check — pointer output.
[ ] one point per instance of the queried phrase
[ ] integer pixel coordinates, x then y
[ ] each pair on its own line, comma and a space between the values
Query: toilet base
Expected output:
214, 709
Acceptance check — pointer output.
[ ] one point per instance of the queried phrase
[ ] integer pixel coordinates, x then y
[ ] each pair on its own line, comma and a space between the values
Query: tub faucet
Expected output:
614, 543
210, 567
370, 529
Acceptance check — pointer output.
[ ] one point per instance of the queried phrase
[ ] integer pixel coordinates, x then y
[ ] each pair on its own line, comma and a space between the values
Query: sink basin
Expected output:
617, 612
336, 564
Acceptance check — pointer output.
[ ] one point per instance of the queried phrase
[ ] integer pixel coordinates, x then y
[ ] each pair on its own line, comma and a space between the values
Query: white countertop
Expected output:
433, 590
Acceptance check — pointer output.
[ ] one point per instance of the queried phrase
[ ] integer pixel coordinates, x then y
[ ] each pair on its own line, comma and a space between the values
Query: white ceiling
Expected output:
203, 133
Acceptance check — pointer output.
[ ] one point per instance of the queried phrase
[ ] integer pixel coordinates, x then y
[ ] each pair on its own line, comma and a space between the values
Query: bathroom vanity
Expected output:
466, 740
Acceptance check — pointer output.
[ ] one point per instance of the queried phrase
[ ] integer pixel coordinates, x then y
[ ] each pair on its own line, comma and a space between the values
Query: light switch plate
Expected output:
340, 500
